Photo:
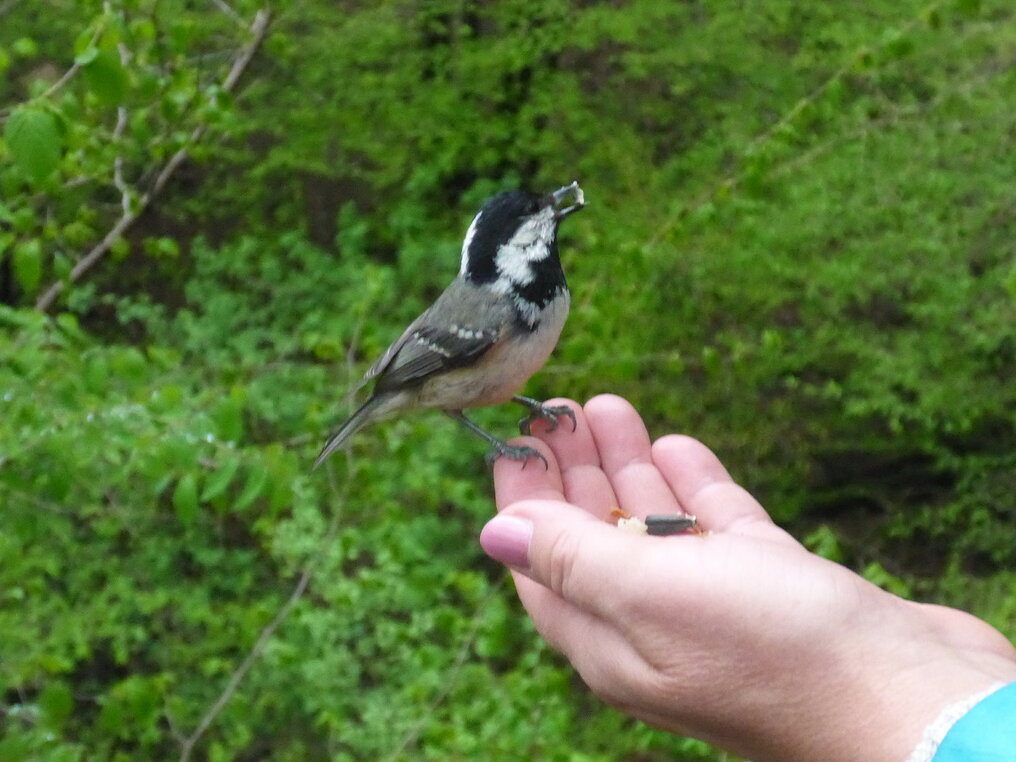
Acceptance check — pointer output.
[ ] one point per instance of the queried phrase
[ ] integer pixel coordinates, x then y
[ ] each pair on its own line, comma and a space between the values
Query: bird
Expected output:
488, 332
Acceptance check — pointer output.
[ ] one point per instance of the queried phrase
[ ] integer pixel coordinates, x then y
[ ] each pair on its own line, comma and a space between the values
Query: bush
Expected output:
805, 212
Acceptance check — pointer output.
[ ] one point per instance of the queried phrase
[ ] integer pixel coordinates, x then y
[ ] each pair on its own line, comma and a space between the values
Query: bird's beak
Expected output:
560, 199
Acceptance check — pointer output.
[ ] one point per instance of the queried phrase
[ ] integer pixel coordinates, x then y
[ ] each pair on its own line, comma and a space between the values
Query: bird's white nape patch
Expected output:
531, 243
470, 233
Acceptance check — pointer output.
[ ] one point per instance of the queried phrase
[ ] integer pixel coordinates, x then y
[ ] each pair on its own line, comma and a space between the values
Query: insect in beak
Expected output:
559, 198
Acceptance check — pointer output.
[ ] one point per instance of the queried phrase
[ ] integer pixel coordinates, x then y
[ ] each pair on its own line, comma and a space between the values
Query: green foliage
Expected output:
798, 248
34, 142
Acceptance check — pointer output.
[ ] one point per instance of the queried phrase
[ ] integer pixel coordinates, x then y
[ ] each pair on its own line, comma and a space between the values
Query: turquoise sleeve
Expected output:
987, 733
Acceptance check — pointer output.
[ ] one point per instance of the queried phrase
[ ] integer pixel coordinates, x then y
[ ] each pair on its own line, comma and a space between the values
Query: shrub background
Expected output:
798, 248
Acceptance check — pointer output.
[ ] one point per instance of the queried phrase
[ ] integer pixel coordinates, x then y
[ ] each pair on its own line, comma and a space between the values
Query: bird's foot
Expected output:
540, 412
514, 452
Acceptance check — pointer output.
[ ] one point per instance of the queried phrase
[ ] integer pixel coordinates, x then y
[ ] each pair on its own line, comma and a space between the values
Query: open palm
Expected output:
739, 636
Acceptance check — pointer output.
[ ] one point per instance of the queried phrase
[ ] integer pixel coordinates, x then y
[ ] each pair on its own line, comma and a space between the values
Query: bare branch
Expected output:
258, 30
327, 540
233, 684
238, 675
67, 75
732, 181
121, 125
9, 6
451, 678
118, 181
228, 10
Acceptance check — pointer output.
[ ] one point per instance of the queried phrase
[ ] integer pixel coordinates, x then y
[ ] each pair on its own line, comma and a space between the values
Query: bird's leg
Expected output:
501, 448
539, 411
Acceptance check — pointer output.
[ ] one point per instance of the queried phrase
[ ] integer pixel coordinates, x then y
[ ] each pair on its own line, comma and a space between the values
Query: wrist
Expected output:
969, 727
891, 685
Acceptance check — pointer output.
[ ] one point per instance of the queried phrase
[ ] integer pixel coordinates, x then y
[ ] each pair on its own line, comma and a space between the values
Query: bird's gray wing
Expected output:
383, 361
463, 323
429, 350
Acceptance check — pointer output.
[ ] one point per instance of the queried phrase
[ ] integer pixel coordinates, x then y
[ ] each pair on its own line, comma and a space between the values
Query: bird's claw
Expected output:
550, 414
515, 452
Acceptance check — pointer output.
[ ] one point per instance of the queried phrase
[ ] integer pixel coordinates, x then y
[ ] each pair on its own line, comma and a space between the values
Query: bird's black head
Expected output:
514, 232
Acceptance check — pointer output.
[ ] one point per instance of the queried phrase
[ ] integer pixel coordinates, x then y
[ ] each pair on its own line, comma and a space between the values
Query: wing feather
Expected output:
461, 325
429, 350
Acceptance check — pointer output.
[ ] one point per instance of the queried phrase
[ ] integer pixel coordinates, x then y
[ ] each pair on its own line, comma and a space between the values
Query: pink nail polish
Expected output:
506, 539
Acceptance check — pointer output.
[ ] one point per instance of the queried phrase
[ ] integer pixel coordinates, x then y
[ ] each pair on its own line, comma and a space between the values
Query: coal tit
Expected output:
489, 331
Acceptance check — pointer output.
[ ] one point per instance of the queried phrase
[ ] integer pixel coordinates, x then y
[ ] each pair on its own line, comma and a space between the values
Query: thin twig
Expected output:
450, 679
9, 6
233, 684
731, 181
121, 125
228, 10
118, 181
75, 67
252, 656
258, 29
893, 117
38, 502
66, 77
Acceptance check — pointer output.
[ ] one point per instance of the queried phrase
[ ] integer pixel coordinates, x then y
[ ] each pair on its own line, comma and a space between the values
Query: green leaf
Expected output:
56, 703
23, 220
824, 542
120, 248
161, 247
96, 373
86, 56
220, 480
34, 142
1010, 281
257, 480
25, 47
106, 77
28, 265
968, 8
85, 39
878, 575
185, 498
77, 233
228, 417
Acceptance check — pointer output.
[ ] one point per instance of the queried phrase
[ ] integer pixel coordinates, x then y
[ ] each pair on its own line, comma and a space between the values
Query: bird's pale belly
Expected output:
503, 371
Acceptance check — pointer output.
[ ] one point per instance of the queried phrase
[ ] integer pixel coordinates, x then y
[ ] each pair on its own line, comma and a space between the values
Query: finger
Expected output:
569, 446
606, 660
586, 562
584, 482
565, 626
515, 480
626, 453
703, 486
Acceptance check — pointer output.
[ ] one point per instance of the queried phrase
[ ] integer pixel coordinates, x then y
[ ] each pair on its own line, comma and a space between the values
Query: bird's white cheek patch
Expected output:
531, 243
513, 263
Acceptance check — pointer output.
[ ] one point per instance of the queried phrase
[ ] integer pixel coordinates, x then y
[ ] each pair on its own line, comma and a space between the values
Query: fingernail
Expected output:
506, 539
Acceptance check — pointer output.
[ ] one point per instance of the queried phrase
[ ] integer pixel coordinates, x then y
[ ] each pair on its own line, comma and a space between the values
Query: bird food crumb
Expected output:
660, 525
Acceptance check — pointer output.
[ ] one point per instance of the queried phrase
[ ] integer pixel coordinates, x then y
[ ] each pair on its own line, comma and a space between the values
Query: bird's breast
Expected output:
504, 368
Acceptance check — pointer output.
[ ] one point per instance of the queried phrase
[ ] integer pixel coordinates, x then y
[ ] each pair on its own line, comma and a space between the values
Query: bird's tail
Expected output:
368, 412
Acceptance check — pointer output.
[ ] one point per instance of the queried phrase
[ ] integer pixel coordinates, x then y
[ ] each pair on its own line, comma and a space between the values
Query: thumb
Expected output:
582, 559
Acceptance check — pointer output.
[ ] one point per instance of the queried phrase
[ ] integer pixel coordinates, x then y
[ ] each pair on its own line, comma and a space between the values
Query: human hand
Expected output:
740, 637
